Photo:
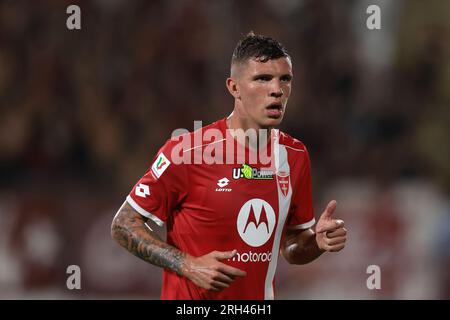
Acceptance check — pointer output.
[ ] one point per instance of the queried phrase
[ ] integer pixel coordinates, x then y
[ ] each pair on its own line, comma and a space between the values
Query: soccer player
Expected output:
228, 220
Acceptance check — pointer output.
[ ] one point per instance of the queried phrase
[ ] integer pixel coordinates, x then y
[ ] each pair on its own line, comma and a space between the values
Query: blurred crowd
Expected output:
83, 112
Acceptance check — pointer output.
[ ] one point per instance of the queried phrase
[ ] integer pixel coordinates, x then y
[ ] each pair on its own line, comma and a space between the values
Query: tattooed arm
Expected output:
129, 230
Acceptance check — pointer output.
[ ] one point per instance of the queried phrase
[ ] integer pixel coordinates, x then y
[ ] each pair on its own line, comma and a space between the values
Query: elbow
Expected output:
293, 261
122, 225
292, 256
115, 229
287, 255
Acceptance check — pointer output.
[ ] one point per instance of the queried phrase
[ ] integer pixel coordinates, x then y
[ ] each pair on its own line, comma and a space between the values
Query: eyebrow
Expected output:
259, 75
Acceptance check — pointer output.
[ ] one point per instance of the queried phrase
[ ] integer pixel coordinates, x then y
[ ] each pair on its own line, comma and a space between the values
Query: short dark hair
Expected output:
260, 47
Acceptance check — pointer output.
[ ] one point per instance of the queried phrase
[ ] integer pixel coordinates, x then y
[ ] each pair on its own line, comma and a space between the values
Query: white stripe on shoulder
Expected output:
143, 212
300, 150
206, 144
302, 226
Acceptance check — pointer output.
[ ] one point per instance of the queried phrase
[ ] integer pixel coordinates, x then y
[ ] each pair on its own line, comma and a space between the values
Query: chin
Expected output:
273, 122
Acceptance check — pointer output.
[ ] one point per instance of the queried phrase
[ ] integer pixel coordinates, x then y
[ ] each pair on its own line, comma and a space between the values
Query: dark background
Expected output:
83, 112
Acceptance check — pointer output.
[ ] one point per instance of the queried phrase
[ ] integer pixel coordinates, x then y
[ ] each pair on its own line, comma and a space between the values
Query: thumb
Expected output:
221, 255
329, 210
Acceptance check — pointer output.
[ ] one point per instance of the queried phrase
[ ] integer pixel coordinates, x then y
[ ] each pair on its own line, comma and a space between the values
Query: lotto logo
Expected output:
223, 182
142, 190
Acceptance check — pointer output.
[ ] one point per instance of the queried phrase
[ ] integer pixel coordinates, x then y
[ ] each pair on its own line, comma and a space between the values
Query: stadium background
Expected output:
83, 113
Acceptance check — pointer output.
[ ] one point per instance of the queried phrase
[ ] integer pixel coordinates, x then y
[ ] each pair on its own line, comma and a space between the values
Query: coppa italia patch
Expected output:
160, 165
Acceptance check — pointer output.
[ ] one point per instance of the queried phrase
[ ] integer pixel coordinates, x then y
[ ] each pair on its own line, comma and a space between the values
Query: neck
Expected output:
236, 121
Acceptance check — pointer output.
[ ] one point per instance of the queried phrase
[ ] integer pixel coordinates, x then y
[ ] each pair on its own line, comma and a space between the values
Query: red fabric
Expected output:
202, 216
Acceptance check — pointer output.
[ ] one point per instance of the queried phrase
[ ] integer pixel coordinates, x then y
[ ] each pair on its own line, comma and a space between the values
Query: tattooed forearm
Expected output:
129, 230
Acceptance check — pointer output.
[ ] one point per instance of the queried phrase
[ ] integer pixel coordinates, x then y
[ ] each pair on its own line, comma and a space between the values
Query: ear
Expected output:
232, 87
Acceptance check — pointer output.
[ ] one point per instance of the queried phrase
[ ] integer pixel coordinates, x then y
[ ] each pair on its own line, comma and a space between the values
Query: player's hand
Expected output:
330, 233
209, 273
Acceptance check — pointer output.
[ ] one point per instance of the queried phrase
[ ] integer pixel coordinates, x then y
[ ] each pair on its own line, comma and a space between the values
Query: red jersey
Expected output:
225, 206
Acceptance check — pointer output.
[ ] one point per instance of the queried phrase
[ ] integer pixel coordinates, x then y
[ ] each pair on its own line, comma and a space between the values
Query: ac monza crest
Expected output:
283, 182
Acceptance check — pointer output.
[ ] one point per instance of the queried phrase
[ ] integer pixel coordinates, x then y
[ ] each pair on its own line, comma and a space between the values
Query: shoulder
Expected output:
179, 148
198, 133
296, 151
291, 143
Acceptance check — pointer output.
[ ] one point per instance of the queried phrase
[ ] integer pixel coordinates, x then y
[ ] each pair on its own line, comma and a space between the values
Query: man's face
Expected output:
264, 89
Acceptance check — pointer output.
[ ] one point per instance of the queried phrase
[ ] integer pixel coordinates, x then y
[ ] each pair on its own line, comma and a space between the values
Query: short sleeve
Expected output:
161, 189
301, 212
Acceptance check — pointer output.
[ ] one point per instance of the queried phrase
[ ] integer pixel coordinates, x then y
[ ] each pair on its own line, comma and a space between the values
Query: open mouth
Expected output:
275, 106
274, 110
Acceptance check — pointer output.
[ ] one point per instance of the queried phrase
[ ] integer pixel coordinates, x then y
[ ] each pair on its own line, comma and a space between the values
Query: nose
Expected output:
276, 90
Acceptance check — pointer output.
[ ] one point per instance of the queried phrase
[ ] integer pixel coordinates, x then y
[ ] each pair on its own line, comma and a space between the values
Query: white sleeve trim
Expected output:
143, 212
306, 225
